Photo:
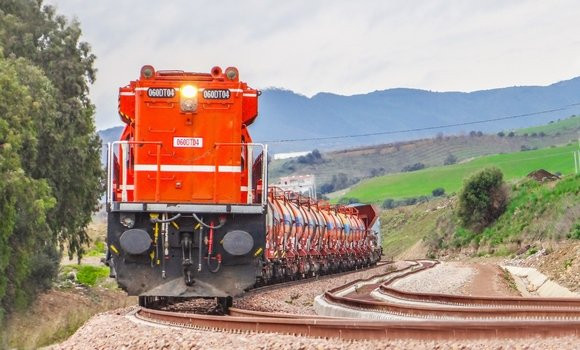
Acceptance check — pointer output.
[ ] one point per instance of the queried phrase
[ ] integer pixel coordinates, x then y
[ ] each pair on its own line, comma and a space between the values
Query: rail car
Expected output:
190, 212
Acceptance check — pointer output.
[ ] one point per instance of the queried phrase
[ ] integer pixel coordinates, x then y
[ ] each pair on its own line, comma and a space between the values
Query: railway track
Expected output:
406, 315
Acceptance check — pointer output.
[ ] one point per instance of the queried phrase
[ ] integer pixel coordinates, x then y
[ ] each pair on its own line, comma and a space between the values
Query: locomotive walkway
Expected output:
372, 309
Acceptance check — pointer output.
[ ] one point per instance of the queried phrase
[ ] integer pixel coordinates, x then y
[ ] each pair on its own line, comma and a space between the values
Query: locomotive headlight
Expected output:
188, 91
188, 95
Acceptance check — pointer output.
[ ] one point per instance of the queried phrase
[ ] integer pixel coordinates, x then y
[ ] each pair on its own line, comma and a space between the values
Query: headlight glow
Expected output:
188, 91
188, 98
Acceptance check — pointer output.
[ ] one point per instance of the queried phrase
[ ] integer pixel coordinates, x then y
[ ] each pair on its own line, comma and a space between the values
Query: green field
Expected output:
569, 124
418, 183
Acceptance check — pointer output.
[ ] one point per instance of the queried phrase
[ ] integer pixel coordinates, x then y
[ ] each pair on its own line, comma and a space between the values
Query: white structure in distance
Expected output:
303, 184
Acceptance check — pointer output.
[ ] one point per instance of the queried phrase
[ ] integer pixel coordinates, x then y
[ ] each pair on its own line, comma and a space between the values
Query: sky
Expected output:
343, 47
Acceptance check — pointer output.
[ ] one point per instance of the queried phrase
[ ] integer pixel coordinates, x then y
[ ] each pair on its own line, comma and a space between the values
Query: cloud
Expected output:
344, 47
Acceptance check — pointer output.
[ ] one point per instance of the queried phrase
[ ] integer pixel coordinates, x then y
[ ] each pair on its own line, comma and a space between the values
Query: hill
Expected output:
287, 115
542, 222
366, 162
422, 182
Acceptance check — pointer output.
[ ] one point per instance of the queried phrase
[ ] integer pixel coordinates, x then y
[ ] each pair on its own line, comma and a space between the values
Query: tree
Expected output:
501, 134
450, 159
482, 199
28, 258
388, 203
68, 141
438, 192
313, 157
413, 167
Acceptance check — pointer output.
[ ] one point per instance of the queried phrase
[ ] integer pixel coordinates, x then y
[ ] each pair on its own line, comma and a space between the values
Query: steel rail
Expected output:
492, 326
455, 306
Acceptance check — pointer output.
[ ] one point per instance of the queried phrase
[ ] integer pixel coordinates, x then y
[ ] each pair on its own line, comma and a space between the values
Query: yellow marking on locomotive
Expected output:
197, 226
114, 249
155, 236
258, 251
175, 224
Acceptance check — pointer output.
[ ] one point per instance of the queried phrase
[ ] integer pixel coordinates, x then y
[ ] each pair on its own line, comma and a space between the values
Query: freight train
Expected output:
190, 212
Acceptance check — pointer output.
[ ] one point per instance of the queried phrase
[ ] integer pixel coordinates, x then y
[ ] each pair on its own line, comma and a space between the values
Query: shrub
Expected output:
482, 199
313, 157
413, 167
451, 159
89, 275
501, 134
339, 181
575, 232
511, 134
388, 203
347, 200
439, 191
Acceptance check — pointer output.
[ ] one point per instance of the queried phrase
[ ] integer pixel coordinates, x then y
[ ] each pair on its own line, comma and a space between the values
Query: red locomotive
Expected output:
190, 212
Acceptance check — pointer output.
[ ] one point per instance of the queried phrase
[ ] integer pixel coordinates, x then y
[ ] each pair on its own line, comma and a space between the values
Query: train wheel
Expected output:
224, 304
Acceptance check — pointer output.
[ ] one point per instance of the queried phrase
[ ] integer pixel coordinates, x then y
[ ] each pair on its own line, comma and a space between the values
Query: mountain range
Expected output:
284, 114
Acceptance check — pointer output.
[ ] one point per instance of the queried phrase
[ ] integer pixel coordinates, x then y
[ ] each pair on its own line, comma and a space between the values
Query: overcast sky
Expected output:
344, 47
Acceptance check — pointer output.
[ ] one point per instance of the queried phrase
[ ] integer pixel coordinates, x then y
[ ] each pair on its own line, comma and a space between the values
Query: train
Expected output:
190, 211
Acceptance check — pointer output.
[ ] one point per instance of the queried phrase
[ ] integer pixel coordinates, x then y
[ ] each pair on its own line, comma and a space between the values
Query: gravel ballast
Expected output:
115, 330
445, 278
119, 330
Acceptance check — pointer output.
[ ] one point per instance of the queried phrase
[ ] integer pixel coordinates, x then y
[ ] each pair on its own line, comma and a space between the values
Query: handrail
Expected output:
249, 164
110, 173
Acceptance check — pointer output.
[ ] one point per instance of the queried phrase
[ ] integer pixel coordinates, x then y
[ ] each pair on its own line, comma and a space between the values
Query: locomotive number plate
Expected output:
216, 94
188, 142
161, 92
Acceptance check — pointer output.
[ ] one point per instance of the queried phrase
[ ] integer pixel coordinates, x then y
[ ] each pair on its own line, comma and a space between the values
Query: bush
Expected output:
89, 275
388, 203
524, 148
511, 134
482, 199
438, 192
313, 157
451, 159
339, 181
347, 200
501, 134
413, 167
575, 232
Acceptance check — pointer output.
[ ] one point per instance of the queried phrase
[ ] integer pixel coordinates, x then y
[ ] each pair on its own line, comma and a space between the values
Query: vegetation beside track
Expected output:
538, 215
50, 171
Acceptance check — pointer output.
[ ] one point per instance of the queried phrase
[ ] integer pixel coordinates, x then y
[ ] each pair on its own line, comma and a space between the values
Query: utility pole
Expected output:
577, 157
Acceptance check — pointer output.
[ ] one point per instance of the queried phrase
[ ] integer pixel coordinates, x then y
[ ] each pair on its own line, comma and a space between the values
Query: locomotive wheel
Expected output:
153, 302
224, 303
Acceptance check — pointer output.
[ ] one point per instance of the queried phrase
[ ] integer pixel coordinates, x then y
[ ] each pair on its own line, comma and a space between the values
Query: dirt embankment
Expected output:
57, 314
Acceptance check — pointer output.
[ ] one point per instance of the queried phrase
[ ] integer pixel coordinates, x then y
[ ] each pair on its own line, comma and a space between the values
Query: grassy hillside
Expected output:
422, 182
405, 227
367, 162
569, 124
537, 216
